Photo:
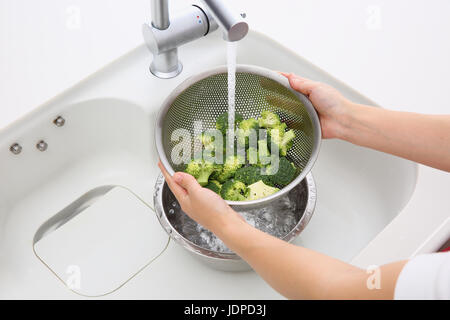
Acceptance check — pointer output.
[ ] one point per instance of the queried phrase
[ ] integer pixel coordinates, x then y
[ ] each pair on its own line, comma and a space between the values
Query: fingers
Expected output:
186, 181
177, 190
300, 84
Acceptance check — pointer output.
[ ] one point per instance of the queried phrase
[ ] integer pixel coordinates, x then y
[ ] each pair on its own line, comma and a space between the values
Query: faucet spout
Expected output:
232, 24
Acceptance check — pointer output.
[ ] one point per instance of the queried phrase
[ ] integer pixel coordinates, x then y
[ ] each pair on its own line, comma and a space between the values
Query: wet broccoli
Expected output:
201, 170
214, 186
260, 190
246, 129
229, 168
251, 175
218, 170
222, 122
234, 190
207, 140
269, 120
282, 139
284, 174
263, 172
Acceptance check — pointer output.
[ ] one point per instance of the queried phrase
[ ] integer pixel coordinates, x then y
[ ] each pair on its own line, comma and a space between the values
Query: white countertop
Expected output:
394, 52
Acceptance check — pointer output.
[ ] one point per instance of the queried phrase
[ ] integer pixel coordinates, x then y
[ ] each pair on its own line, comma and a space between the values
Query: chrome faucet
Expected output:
163, 35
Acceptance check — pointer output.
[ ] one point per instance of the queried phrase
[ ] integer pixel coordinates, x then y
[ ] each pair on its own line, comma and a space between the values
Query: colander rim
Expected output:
256, 70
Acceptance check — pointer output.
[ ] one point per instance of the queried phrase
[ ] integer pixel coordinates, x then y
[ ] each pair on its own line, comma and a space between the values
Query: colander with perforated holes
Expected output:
204, 98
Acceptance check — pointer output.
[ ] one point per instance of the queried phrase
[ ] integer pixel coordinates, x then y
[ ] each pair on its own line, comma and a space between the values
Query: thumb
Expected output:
186, 181
300, 84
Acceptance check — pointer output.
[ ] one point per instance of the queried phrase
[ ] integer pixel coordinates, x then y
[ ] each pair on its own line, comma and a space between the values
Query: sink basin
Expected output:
107, 139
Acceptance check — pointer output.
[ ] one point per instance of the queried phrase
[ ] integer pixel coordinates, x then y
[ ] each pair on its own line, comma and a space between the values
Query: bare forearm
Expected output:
420, 138
300, 273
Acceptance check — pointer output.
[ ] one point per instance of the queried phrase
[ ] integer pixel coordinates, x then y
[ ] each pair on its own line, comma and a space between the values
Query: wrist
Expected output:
227, 223
345, 121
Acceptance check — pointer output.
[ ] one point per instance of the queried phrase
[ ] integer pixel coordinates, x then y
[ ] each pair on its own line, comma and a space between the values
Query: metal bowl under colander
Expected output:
284, 219
204, 97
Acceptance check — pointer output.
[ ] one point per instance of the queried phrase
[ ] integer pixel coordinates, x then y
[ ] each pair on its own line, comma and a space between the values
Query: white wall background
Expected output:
396, 52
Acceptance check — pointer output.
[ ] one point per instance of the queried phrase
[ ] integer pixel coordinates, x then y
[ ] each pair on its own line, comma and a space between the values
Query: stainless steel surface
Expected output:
160, 14
59, 122
164, 35
205, 96
16, 148
172, 218
42, 146
184, 28
232, 24
166, 65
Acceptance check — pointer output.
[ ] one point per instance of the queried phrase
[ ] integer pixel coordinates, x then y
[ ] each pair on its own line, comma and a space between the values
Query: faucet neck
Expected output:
160, 14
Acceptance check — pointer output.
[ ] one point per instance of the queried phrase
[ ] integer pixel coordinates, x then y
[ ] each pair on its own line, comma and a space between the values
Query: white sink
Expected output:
108, 140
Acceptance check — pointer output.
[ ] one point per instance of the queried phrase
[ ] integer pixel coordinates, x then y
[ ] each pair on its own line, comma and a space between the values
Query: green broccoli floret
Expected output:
201, 170
214, 186
251, 175
269, 120
282, 139
222, 122
234, 190
247, 128
207, 140
260, 190
231, 165
218, 170
285, 174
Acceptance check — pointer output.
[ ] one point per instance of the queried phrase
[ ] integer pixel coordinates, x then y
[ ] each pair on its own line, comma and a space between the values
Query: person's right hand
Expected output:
200, 204
330, 104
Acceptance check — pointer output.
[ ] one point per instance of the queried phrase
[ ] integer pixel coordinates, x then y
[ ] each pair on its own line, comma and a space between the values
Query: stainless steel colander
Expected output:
204, 97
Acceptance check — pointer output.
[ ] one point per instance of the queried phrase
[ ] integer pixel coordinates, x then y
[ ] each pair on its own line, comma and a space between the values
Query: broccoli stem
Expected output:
203, 178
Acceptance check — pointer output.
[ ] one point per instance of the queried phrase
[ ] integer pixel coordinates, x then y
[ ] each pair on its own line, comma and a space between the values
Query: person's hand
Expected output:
200, 204
330, 104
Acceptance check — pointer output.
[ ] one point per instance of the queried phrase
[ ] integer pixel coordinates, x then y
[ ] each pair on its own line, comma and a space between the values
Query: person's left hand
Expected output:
200, 204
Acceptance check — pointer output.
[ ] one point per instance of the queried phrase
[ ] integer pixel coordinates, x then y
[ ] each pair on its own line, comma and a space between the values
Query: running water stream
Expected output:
231, 60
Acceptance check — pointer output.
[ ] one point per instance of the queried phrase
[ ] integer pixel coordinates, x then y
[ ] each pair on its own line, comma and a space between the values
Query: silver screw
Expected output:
42, 145
59, 122
244, 15
16, 148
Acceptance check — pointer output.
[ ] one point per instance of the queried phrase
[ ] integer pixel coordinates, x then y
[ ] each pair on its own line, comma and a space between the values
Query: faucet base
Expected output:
166, 65
166, 75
